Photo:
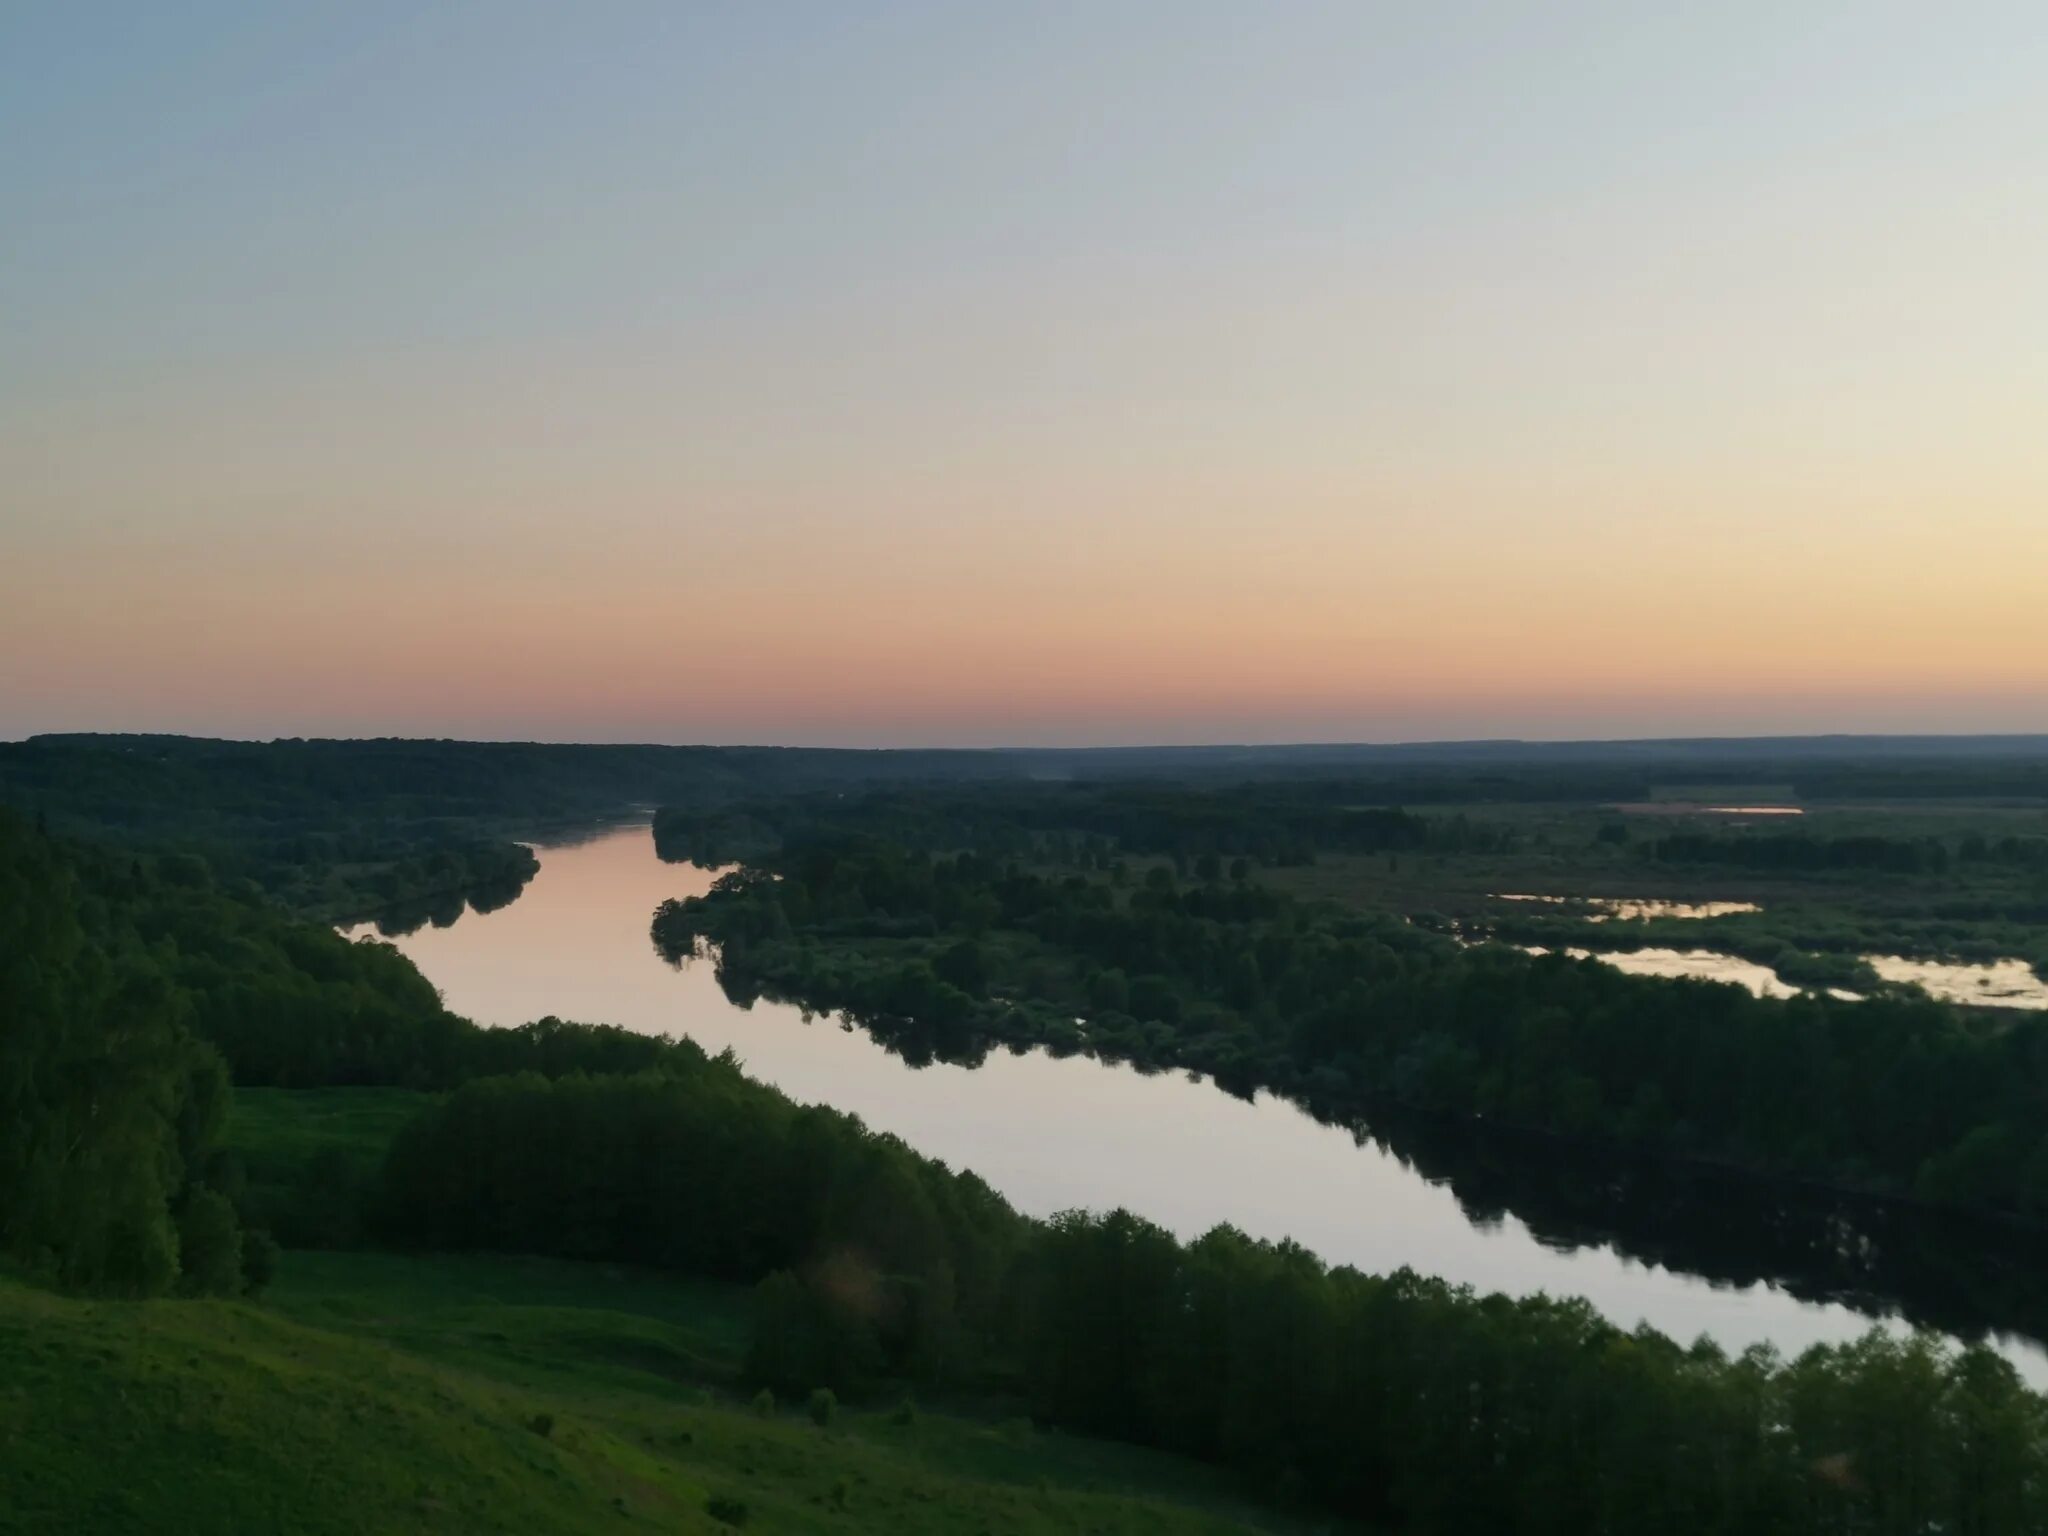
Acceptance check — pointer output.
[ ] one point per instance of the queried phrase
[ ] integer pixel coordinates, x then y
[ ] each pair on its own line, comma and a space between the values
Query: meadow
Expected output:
370, 1393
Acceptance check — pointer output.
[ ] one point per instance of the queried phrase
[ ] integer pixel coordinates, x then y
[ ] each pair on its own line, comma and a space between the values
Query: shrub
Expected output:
823, 1406
209, 1245
726, 1511
259, 1260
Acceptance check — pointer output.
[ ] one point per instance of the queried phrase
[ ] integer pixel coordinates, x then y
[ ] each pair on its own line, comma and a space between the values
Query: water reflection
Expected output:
1698, 808
1938, 1271
1699, 964
1999, 984
1996, 984
441, 911
443, 908
1685, 1254
1600, 909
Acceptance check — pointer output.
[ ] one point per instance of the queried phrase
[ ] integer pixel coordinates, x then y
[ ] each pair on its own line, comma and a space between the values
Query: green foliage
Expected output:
129, 989
871, 1259
109, 1106
1351, 1012
311, 1156
823, 1407
260, 1253
209, 1246
726, 1510
1410, 1402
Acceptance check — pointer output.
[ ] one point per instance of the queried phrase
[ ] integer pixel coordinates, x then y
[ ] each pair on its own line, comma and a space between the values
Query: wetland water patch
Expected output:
1601, 909
1998, 984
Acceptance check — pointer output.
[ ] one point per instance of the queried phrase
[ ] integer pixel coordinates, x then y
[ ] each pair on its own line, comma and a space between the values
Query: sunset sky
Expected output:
1065, 373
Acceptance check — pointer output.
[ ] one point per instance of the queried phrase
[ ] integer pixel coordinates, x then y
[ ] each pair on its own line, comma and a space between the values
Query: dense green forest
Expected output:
339, 834
1947, 880
111, 1105
1227, 976
350, 829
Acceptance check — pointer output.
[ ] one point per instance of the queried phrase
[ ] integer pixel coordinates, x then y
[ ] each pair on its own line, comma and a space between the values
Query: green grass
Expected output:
374, 1393
284, 1126
309, 1153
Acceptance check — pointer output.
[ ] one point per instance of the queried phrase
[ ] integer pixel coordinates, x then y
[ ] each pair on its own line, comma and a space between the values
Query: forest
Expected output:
1223, 973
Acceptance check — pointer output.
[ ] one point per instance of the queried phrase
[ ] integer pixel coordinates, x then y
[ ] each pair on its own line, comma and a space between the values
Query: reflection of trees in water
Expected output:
440, 909
443, 907
494, 895
1935, 1269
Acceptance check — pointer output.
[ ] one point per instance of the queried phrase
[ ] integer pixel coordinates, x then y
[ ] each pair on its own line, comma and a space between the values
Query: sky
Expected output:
1039, 374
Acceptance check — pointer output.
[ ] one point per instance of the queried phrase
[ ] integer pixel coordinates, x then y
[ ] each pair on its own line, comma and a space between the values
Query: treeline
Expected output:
1089, 825
292, 1004
402, 877
1395, 1399
1345, 1012
334, 831
698, 1169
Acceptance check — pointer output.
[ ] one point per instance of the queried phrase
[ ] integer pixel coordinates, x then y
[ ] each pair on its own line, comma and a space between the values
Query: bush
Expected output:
764, 1402
823, 1406
209, 1246
542, 1424
259, 1260
726, 1511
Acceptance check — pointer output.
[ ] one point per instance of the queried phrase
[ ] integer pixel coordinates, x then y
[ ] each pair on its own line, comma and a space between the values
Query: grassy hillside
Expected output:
377, 1392
309, 1153
373, 1394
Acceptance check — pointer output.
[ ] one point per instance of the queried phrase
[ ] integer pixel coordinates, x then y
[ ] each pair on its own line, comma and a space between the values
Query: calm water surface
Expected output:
1053, 1133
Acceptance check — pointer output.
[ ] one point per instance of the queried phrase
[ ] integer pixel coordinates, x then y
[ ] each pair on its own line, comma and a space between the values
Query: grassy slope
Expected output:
310, 1153
285, 1127
374, 1393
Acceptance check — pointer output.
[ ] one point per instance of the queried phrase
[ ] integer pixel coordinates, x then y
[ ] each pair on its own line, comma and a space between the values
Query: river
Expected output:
1053, 1133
